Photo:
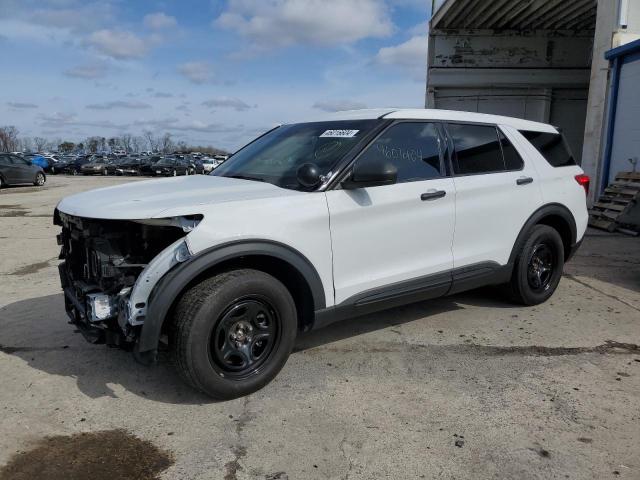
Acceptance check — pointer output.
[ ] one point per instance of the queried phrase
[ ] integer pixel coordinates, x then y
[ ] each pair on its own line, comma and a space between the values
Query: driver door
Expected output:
391, 240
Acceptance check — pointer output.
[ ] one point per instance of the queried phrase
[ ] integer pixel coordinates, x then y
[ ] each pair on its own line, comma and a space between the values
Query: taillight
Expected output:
584, 181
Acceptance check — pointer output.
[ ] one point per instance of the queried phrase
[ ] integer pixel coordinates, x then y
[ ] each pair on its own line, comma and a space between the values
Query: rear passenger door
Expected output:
496, 192
8, 170
393, 239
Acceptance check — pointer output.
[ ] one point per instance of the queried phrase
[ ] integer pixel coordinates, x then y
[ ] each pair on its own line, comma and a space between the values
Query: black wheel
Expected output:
232, 333
538, 266
39, 180
2, 182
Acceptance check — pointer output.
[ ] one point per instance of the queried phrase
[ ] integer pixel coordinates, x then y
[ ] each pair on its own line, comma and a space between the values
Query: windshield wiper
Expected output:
246, 177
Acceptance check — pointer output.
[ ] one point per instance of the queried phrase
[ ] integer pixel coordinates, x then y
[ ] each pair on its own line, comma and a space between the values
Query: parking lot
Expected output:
469, 386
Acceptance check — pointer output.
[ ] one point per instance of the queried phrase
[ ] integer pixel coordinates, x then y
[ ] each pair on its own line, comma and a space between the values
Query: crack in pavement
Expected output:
613, 297
239, 451
12, 350
609, 347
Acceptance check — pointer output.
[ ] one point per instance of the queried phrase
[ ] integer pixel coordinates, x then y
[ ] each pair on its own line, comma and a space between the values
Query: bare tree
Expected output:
166, 143
136, 143
148, 135
126, 141
40, 143
8, 139
25, 144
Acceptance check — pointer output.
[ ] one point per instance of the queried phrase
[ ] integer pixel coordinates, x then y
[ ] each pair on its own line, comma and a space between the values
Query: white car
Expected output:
316, 222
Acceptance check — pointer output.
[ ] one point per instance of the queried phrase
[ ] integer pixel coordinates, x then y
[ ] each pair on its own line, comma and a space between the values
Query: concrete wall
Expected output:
539, 75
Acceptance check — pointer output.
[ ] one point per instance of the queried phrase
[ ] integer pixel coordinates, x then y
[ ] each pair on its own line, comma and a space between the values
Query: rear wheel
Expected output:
232, 333
538, 266
39, 180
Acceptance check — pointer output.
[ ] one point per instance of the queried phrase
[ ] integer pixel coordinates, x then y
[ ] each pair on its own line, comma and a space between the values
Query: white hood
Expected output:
166, 197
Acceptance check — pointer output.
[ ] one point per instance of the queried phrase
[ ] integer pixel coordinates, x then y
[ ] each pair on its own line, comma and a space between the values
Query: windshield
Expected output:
276, 157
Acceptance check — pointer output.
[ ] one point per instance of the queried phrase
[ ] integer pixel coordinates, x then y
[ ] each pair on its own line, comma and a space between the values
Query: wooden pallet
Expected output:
619, 206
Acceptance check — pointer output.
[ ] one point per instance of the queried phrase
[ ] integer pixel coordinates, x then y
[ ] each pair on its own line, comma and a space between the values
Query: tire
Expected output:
40, 179
2, 182
211, 312
538, 266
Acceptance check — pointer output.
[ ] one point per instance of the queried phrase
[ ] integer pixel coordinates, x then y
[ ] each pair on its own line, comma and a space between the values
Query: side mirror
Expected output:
308, 175
371, 173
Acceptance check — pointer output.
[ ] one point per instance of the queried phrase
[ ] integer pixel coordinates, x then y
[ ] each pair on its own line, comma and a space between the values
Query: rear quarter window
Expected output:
552, 146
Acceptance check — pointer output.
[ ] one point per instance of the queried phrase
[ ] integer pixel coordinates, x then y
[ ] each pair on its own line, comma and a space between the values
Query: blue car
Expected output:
38, 160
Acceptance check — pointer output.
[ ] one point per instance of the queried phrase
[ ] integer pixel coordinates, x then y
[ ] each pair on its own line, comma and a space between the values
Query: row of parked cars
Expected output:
135, 164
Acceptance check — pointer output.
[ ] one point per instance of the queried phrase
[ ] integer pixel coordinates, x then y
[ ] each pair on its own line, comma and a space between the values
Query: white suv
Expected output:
315, 222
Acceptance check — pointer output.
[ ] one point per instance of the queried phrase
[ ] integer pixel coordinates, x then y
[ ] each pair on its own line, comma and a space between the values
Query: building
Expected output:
541, 60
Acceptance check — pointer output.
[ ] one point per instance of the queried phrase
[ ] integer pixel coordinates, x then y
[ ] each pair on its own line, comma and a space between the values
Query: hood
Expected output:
166, 197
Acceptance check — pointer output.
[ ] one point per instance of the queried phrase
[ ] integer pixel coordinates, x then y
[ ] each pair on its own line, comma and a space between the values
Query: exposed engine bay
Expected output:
103, 259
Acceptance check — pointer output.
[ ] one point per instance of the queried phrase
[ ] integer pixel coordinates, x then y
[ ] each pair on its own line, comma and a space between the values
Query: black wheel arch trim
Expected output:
550, 209
177, 279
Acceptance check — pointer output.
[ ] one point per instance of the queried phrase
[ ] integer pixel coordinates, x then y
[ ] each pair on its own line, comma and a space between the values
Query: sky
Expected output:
209, 72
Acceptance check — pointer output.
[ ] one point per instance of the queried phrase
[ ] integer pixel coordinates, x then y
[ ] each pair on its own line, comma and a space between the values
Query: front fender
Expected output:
170, 287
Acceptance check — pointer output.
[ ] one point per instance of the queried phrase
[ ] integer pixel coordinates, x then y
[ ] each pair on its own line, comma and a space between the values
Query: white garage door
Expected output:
626, 135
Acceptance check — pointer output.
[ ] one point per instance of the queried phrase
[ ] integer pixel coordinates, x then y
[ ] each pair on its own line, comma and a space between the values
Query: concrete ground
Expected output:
468, 386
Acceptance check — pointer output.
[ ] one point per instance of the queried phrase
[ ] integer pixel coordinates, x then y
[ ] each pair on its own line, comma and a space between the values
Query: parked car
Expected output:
97, 165
15, 169
72, 166
130, 166
171, 167
317, 222
147, 164
39, 161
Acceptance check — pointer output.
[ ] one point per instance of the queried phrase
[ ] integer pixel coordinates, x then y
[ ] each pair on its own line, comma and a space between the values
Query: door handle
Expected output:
524, 180
432, 195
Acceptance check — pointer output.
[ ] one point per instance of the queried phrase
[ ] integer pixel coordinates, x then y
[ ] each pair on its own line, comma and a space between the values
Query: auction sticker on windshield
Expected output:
339, 133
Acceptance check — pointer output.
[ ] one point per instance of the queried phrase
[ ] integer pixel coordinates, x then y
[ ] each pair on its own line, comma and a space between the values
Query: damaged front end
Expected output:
110, 268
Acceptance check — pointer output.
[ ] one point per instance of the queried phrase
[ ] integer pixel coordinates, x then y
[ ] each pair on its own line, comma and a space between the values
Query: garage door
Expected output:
626, 135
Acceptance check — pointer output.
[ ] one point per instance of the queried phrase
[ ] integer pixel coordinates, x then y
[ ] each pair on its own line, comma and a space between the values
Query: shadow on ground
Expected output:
37, 331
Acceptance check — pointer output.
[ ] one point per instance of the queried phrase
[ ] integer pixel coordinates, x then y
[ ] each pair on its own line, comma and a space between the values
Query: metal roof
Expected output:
623, 50
574, 15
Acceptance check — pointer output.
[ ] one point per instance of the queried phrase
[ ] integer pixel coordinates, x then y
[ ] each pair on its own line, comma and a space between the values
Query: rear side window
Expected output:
552, 146
477, 149
512, 159
414, 148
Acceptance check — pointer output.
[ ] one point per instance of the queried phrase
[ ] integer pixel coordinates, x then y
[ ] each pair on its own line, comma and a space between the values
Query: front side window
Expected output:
414, 149
276, 157
477, 149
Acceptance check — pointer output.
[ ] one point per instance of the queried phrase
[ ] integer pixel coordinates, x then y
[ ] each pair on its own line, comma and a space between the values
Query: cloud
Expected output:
128, 104
163, 95
338, 105
174, 125
227, 102
410, 55
119, 44
87, 71
280, 23
197, 72
159, 20
20, 105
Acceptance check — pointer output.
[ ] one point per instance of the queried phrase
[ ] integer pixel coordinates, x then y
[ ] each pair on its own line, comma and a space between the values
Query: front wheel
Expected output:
39, 180
232, 333
538, 266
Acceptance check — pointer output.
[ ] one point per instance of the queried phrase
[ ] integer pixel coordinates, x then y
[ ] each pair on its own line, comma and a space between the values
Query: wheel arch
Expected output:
284, 263
556, 216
